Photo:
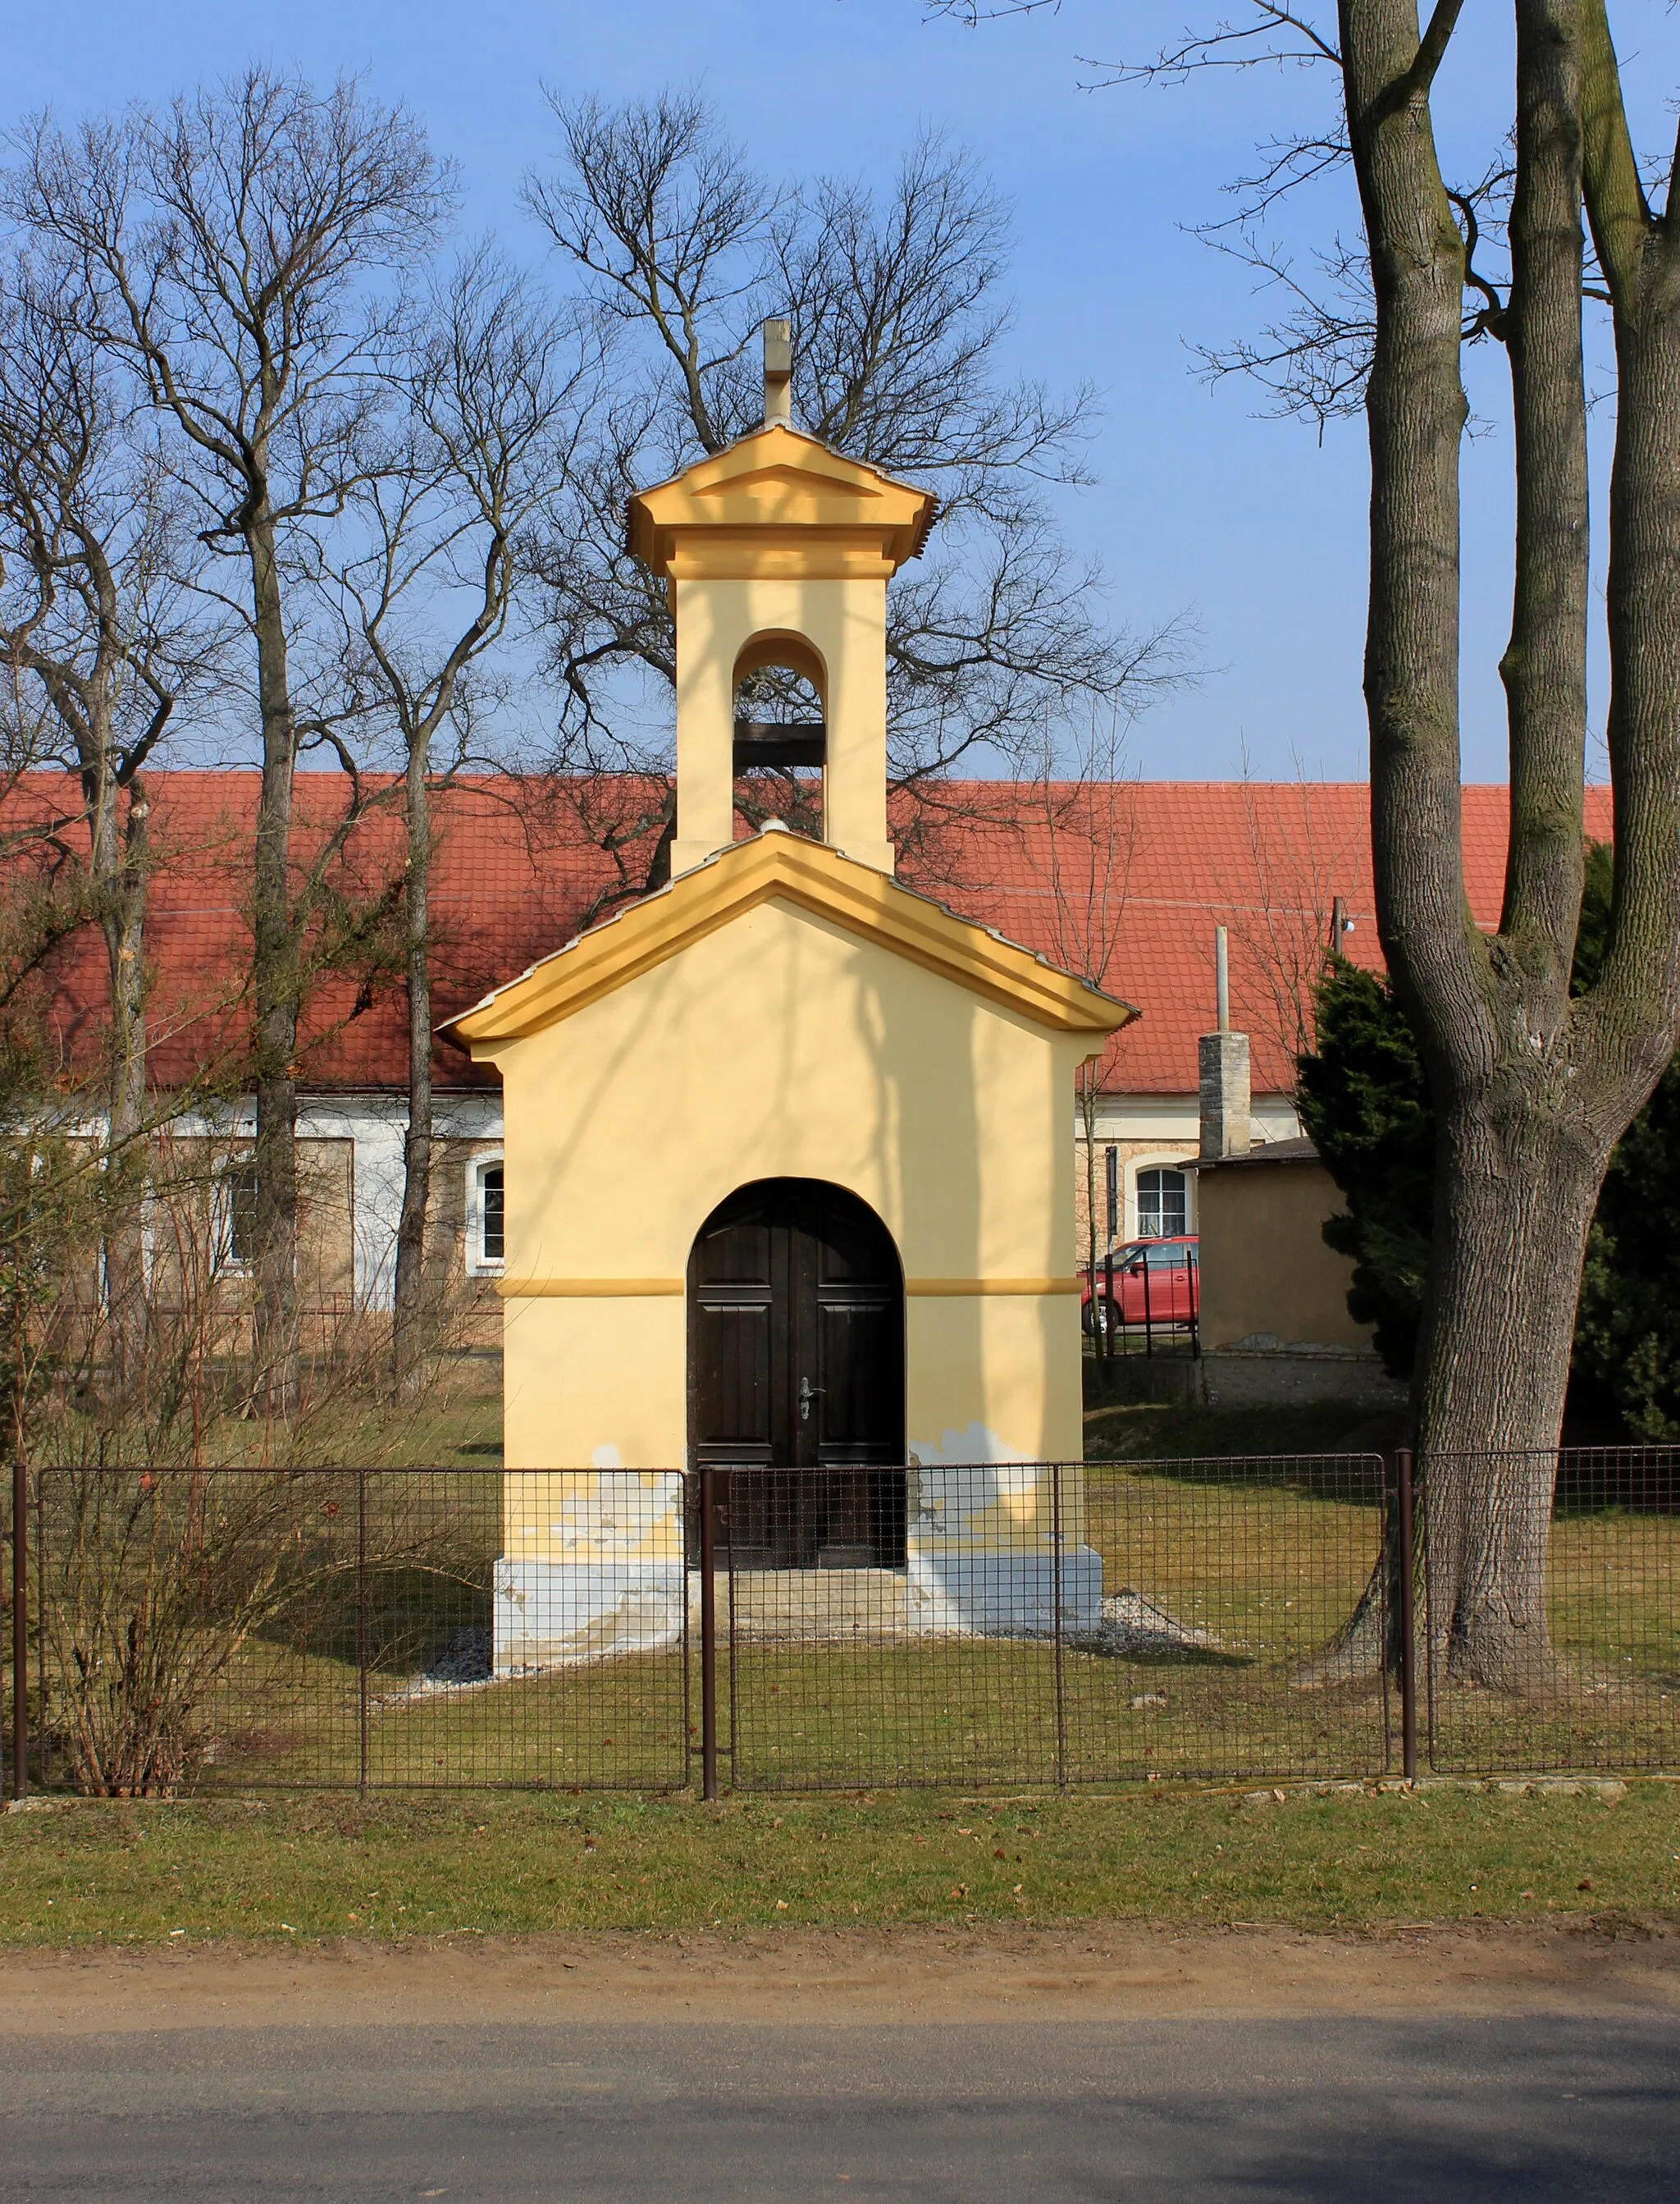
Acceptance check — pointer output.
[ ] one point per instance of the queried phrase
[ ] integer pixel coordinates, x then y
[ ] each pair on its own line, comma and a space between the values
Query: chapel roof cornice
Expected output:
775, 866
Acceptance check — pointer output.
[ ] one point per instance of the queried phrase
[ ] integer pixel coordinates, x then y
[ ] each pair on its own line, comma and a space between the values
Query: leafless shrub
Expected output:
176, 1603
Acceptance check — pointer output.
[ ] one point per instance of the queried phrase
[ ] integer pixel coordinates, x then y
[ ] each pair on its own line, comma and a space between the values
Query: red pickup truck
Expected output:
1155, 1282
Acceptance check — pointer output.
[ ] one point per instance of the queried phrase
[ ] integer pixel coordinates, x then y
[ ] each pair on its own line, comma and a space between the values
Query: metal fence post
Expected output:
20, 1629
40, 1626
362, 1628
729, 1640
1056, 1628
708, 1635
690, 1557
1408, 1633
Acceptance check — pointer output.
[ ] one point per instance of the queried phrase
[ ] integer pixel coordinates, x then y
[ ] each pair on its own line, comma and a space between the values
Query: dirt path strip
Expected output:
1100, 1972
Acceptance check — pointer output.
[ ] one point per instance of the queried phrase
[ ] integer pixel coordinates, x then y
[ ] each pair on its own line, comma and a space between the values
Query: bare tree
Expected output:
1091, 829
244, 254
489, 405
897, 311
1280, 906
100, 634
1532, 1086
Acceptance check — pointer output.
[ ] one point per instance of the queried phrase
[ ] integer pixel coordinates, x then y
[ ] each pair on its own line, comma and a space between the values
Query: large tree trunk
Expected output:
1415, 413
1521, 1152
276, 982
1544, 667
1636, 1005
1492, 1367
1522, 1144
1532, 1089
409, 1311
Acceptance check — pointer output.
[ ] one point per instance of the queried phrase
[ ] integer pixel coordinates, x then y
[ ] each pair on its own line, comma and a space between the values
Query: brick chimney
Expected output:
1223, 1074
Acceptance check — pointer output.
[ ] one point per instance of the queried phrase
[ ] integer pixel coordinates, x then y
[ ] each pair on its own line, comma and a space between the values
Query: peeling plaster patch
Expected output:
978, 1443
972, 1484
617, 1521
588, 1524
606, 1457
549, 1615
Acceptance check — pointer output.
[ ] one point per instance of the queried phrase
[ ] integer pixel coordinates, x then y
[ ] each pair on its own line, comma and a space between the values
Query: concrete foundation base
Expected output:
979, 1592
555, 1614
550, 1615
810, 1606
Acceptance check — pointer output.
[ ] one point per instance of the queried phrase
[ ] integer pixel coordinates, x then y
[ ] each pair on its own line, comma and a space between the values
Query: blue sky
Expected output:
1251, 523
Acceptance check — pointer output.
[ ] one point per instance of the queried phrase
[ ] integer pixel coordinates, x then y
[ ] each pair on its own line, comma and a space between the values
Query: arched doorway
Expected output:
797, 1362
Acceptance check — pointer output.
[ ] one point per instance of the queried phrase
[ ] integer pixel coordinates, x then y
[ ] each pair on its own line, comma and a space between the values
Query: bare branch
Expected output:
1280, 37
898, 314
1431, 52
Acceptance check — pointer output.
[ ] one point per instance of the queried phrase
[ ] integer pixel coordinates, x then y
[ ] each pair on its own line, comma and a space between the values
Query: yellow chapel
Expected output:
788, 1147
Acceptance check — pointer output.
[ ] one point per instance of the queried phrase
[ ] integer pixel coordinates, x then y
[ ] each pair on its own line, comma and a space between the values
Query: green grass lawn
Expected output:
347, 1419
1266, 1566
87, 1873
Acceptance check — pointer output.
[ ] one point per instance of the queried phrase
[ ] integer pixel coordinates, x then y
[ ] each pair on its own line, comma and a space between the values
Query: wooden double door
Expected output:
796, 1364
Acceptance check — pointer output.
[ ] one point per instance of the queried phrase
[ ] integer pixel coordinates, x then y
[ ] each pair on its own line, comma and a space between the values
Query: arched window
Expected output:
484, 1233
1164, 1204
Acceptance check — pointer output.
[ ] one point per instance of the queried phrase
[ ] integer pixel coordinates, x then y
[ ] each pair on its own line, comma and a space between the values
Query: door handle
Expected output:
808, 1393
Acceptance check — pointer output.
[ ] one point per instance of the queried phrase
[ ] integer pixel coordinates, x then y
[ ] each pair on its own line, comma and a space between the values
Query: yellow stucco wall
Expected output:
784, 1045
1264, 1264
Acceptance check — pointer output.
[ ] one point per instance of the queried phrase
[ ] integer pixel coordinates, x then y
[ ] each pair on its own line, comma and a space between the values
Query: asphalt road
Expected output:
1440, 2108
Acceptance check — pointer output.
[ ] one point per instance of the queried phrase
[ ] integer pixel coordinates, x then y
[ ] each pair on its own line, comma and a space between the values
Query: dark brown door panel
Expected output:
796, 1361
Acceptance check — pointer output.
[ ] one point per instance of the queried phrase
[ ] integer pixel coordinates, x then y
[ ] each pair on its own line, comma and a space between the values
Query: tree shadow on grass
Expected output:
403, 1620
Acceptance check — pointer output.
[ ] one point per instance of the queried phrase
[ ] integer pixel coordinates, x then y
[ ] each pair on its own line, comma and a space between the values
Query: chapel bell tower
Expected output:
777, 552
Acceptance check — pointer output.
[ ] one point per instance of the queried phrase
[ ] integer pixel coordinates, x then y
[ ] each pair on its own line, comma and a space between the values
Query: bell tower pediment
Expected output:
777, 552
781, 476
780, 500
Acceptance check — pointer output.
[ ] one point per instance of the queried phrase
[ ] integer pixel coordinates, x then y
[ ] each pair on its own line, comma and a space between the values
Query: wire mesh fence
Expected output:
1582, 1668
986, 1626
1244, 1630
301, 1628
14, 1613
1051, 1623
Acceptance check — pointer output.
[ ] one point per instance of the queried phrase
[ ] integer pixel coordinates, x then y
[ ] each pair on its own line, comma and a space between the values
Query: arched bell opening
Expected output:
796, 1376
781, 737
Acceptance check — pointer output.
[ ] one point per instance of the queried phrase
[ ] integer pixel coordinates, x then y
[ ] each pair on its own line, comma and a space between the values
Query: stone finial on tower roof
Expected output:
778, 373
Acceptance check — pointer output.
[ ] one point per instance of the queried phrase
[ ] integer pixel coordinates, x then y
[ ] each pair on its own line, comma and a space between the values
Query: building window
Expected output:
485, 1240
1164, 1205
242, 1186
490, 1213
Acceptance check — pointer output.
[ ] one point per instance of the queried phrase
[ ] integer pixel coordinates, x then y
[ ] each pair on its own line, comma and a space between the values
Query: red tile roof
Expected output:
520, 865
1265, 860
